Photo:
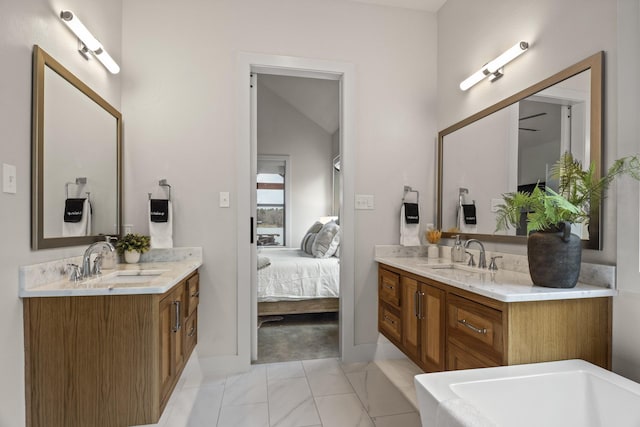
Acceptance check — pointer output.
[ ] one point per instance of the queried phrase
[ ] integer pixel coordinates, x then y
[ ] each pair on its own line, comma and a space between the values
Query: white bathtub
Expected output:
563, 394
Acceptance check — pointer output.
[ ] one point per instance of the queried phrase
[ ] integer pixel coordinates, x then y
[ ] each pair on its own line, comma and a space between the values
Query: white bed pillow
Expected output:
314, 229
326, 241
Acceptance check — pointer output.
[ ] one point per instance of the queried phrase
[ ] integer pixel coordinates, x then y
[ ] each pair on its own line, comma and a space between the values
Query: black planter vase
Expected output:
554, 257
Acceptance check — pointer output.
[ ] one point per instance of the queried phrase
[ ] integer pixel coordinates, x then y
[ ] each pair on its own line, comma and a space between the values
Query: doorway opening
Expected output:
297, 121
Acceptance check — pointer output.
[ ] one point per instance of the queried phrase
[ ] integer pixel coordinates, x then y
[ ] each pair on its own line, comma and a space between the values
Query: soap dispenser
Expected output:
457, 251
110, 259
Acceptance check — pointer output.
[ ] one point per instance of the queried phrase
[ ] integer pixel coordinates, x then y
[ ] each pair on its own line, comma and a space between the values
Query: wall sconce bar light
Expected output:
493, 69
87, 42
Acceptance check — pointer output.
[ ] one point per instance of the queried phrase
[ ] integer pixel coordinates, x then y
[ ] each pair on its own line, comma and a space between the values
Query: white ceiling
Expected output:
426, 5
317, 99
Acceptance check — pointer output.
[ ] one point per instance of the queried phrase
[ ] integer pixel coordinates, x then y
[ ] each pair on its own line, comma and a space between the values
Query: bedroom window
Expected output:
271, 202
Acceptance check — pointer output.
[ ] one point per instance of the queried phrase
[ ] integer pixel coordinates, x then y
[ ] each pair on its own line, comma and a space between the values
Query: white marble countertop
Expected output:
158, 272
502, 285
162, 277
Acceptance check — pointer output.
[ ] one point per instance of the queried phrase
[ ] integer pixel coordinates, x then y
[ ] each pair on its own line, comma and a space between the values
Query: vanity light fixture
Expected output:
493, 69
87, 42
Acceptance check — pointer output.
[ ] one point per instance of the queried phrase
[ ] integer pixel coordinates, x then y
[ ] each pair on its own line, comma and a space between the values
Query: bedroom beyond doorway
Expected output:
298, 232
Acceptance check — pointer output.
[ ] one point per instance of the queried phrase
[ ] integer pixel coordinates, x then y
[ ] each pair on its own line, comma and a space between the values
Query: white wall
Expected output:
180, 105
626, 306
562, 33
283, 130
23, 24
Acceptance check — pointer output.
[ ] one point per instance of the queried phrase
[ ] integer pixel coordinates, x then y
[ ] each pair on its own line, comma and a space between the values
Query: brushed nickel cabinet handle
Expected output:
177, 325
195, 295
388, 319
192, 332
473, 328
389, 286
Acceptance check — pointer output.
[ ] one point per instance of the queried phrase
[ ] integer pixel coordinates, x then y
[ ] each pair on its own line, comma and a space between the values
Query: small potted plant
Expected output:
132, 245
554, 253
433, 237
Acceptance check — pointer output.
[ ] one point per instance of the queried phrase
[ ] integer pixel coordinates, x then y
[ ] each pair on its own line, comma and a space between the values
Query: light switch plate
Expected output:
9, 179
224, 199
364, 202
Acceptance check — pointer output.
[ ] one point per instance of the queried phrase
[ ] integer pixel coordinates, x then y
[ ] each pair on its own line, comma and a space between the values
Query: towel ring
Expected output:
163, 183
408, 189
79, 182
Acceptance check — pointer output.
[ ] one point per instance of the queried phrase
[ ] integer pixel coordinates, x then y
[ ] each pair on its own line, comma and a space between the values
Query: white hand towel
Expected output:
80, 228
409, 233
161, 233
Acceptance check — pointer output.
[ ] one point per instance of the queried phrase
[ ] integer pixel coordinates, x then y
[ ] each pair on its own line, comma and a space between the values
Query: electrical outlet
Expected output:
364, 202
224, 199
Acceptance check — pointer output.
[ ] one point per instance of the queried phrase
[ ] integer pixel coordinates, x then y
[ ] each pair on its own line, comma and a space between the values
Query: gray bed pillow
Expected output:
326, 241
308, 242
314, 229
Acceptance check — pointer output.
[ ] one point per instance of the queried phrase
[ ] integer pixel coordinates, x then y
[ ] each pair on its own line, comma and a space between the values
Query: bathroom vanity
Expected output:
446, 316
109, 351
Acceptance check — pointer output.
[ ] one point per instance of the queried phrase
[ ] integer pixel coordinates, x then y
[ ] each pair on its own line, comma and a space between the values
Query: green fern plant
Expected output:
578, 192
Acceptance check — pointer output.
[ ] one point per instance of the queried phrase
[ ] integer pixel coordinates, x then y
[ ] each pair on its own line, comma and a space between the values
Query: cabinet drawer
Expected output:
191, 332
475, 326
389, 287
458, 358
193, 295
389, 323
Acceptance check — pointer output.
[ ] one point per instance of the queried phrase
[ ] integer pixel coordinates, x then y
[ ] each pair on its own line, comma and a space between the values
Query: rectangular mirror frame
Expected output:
595, 63
41, 60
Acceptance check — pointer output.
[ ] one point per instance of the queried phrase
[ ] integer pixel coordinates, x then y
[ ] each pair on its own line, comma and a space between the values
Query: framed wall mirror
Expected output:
511, 146
76, 159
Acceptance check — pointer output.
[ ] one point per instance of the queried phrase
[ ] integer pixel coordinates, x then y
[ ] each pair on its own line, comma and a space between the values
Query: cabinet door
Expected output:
432, 327
410, 328
172, 348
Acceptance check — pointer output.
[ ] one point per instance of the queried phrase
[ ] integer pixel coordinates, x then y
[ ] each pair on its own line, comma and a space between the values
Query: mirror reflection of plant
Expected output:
578, 191
133, 242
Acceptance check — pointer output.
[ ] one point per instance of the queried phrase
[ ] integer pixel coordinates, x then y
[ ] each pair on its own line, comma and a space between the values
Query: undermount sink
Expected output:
126, 277
460, 267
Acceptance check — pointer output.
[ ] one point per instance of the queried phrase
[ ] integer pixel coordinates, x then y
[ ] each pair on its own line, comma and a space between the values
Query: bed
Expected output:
295, 282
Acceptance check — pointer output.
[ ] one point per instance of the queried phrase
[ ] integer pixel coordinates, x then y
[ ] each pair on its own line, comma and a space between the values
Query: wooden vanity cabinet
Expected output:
444, 327
107, 360
412, 316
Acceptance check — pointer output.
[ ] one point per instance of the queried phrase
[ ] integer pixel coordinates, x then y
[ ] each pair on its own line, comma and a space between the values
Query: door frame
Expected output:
248, 63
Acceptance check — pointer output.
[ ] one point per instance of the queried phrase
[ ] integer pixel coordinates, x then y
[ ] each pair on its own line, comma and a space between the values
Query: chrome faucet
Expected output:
86, 258
482, 259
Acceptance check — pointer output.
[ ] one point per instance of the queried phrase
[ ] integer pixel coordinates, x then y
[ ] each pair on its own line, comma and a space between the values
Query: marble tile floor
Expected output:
321, 392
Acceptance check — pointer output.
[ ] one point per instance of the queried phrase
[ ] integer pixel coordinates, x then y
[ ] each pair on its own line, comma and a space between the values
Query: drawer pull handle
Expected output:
195, 295
177, 325
388, 319
192, 332
473, 328
389, 286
